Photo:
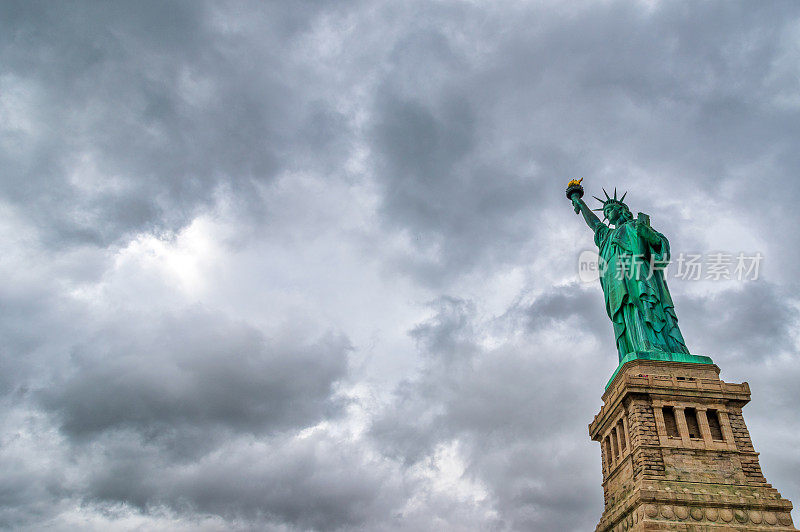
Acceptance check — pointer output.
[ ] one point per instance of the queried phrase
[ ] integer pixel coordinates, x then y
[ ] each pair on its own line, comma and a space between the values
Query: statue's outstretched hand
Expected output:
577, 204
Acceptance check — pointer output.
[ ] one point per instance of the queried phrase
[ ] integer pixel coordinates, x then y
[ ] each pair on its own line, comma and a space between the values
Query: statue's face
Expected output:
612, 212
615, 213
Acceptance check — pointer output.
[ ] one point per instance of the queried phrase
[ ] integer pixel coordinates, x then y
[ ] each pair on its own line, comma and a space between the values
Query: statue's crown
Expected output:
611, 200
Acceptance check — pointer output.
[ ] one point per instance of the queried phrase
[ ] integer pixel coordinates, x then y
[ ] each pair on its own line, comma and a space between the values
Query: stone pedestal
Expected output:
677, 454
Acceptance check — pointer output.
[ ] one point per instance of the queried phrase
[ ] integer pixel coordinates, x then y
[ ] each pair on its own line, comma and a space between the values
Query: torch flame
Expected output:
575, 182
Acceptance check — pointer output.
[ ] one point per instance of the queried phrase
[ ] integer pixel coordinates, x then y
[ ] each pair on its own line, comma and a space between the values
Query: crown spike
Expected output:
623, 197
606, 193
598, 199
599, 210
615, 193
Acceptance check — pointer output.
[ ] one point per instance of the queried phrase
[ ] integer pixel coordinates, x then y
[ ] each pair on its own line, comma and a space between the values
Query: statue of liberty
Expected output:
633, 256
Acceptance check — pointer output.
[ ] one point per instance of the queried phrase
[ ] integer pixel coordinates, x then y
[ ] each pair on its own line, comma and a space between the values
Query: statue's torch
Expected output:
575, 191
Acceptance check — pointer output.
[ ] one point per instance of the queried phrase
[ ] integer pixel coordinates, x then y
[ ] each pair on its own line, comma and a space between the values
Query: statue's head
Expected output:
615, 209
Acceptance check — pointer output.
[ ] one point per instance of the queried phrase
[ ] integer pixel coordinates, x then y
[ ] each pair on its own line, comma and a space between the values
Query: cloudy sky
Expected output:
308, 265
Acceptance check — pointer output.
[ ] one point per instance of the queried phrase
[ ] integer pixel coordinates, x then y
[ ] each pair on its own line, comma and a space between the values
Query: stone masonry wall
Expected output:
741, 436
647, 458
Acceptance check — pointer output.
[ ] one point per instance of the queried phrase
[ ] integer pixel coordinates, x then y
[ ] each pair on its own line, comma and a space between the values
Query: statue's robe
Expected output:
637, 300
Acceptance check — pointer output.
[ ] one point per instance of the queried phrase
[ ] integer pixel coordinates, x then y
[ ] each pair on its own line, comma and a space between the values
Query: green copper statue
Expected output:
632, 260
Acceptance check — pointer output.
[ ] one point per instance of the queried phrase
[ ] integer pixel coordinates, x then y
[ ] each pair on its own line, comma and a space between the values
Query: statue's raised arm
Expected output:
574, 193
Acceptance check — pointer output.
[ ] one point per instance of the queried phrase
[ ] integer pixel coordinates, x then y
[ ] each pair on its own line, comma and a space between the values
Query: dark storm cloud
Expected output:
21, 332
137, 115
574, 305
198, 414
667, 86
315, 482
28, 491
756, 321
195, 370
437, 190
